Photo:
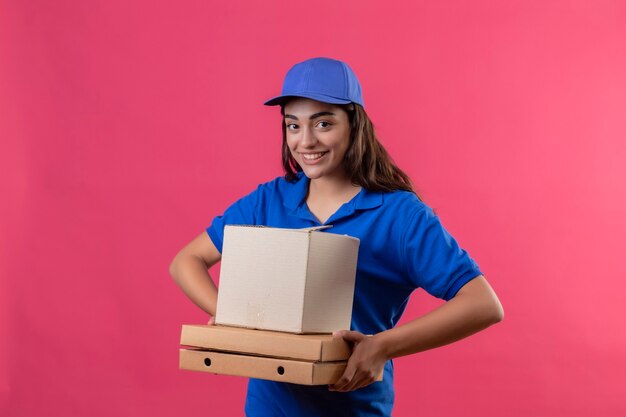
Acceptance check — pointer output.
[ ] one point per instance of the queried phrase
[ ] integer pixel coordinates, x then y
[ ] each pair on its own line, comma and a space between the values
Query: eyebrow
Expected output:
313, 116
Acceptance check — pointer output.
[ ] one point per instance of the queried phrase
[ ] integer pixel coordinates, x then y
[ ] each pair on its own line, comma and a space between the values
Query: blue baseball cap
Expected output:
322, 79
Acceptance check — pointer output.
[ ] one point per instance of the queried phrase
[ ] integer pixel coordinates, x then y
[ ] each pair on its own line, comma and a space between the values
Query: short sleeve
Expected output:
242, 211
434, 259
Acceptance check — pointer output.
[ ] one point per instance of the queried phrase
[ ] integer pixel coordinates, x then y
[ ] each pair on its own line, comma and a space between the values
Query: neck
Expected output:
332, 187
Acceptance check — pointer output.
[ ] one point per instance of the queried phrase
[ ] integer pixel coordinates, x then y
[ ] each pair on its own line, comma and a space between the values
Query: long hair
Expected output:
366, 161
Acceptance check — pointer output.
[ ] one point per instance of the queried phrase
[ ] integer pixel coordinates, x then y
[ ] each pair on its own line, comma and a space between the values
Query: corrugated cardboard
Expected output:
266, 343
276, 356
273, 369
290, 280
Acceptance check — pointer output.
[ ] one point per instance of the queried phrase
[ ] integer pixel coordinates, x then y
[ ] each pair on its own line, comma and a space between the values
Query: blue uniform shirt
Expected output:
403, 247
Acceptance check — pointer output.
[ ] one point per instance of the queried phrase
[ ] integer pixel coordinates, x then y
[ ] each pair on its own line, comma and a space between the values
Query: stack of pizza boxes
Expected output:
282, 292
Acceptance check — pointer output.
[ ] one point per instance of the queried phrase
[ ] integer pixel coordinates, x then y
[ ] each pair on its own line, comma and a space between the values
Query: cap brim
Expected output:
318, 97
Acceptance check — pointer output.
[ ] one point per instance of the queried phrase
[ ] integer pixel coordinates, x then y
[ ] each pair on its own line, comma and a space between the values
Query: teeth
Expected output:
311, 156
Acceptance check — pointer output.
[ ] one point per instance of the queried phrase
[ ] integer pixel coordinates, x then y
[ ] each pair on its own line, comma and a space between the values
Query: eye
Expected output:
323, 124
292, 126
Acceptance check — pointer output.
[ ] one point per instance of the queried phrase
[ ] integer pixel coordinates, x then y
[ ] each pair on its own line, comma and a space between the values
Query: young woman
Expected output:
338, 173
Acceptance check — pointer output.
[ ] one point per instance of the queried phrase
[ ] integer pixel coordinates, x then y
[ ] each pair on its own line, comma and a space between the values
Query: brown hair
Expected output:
366, 161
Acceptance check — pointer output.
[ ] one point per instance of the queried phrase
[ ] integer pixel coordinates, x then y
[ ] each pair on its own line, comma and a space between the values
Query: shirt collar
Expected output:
364, 200
297, 193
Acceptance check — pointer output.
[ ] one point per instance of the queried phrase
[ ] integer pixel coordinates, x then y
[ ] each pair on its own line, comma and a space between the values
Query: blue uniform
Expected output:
403, 247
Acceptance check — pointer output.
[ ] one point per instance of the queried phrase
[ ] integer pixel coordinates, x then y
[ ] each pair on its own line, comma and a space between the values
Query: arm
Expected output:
189, 268
474, 308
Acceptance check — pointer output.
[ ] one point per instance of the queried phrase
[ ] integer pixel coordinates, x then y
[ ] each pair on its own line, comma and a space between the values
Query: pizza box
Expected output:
310, 347
318, 359
273, 369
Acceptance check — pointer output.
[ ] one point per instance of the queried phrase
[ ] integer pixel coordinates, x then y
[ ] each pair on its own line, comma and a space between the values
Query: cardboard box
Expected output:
323, 348
290, 280
276, 356
273, 369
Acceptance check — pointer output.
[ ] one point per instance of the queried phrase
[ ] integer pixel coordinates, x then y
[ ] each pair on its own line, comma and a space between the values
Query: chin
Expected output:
312, 175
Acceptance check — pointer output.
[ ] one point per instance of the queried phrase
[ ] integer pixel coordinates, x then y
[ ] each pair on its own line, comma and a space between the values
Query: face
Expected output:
318, 136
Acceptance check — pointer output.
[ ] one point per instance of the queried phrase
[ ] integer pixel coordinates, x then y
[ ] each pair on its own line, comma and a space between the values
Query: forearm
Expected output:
192, 276
460, 317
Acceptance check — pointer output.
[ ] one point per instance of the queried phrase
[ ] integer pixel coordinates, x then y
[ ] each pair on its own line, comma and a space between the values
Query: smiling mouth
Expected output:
313, 156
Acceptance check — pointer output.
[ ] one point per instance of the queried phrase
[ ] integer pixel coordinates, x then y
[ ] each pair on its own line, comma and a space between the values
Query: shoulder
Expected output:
404, 203
279, 183
277, 186
277, 193
392, 213
409, 217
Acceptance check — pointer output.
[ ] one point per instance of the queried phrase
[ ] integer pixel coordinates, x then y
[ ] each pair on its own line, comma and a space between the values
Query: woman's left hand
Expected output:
365, 363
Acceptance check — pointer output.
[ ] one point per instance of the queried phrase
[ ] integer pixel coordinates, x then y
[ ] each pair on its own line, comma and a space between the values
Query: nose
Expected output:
308, 139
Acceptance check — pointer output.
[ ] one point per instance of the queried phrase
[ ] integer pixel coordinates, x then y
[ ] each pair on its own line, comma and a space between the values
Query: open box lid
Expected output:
313, 347
301, 229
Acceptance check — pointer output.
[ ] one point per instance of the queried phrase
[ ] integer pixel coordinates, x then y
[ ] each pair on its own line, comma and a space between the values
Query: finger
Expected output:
211, 321
351, 336
358, 382
344, 380
354, 384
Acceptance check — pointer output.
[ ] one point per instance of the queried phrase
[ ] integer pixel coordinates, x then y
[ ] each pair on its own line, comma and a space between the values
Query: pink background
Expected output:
125, 127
